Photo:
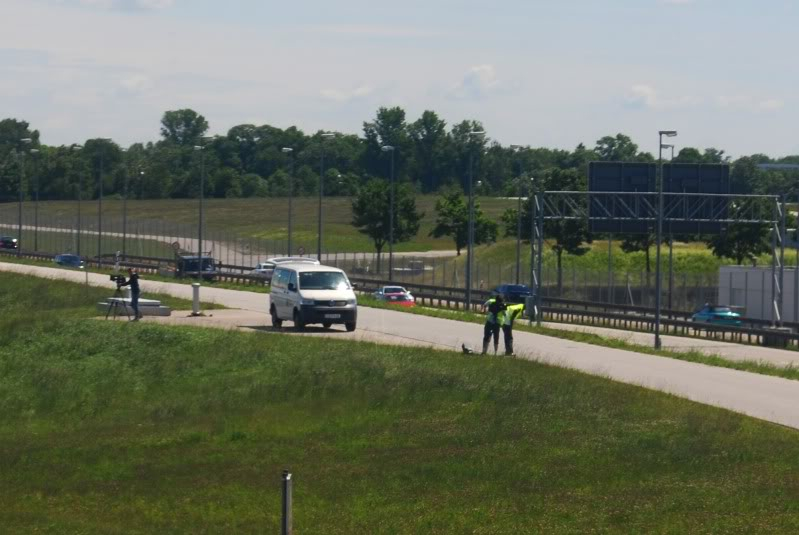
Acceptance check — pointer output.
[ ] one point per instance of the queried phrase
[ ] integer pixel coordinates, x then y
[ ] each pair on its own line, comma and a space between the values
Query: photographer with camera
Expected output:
135, 291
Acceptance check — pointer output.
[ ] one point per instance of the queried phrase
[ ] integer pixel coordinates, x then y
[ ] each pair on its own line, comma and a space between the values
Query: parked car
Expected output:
395, 295
266, 269
196, 266
7, 242
306, 293
717, 315
512, 293
69, 260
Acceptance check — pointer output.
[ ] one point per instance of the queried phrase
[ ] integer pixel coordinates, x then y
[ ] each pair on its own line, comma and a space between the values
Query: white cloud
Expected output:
128, 5
749, 103
337, 95
478, 82
770, 104
646, 96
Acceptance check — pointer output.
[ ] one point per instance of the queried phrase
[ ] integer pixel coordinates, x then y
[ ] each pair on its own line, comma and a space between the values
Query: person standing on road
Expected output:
495, 308
135, 292
511, 313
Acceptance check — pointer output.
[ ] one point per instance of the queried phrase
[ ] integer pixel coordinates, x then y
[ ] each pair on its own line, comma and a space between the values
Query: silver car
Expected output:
265, 269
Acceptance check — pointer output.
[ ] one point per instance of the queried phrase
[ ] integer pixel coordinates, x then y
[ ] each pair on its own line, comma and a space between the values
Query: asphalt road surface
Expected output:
769, 398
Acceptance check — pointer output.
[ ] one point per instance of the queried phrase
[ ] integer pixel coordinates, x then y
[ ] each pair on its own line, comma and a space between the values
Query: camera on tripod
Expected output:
119, 279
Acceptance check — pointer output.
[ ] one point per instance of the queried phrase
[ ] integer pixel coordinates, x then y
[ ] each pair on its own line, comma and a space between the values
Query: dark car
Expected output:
196, 266
7, 242
512, 293
68, 260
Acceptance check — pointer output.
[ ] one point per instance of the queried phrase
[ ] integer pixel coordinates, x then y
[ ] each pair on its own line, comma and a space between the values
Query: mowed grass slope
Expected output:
135, 428
265, 219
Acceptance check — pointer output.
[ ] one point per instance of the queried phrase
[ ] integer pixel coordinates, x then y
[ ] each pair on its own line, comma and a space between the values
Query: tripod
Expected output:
117, 302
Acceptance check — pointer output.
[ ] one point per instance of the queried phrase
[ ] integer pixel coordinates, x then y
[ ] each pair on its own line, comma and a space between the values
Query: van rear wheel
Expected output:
327, 325
350, 326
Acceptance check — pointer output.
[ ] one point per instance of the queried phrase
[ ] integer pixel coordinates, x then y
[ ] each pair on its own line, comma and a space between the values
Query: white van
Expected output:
307, 293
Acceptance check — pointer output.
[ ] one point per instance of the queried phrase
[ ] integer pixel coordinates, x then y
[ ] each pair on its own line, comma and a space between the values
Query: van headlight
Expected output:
307, 302
352, 302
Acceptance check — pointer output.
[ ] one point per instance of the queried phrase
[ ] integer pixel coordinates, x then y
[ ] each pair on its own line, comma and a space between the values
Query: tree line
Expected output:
428, 157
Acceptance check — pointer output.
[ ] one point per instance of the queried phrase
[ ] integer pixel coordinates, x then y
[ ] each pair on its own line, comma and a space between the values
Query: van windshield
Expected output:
323, 280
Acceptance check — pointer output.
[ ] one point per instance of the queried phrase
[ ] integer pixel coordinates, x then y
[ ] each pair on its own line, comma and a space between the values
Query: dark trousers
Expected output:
490, 329
507, 331
134, 303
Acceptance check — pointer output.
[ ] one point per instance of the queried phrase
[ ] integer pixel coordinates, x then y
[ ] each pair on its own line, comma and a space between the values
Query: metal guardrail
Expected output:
553, 309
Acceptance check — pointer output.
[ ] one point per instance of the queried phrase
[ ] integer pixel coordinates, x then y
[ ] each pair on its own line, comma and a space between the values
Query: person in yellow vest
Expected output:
510, 313
494, 307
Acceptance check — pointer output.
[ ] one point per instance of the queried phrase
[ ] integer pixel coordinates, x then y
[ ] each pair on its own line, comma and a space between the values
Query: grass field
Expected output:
261, 224
265, 219
134, 428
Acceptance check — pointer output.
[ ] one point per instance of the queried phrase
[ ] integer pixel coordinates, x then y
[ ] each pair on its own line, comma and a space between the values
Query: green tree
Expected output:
371, 214
640, 242
452, 219
741, 241
183, 127
431, 150
618, 148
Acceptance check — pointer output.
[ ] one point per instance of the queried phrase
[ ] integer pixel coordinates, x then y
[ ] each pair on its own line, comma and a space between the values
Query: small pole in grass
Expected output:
285, 523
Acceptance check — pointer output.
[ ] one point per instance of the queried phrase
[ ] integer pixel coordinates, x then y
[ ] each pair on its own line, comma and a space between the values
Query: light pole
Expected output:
36, 207
201, 150
671, 240
26, 141
531, 199
392, 150
658, 285
290, 152
515, 149
470, 242
80, 195
324, 135
100, 181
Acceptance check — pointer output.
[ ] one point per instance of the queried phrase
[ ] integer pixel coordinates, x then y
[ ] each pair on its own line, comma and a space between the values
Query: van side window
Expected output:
293, 279
280, 278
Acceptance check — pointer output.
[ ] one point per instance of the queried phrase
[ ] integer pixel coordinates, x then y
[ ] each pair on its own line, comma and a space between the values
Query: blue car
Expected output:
68, 260
512, 293
717, 315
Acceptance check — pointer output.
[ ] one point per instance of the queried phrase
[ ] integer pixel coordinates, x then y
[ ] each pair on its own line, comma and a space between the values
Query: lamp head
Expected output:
286, 150
668, 133
387, 148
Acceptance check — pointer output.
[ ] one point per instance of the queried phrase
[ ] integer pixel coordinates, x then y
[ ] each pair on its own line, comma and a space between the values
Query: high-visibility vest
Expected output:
494, 316
511, 313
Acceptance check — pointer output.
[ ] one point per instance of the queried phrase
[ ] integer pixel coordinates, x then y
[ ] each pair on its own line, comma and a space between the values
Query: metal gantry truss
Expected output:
618, 206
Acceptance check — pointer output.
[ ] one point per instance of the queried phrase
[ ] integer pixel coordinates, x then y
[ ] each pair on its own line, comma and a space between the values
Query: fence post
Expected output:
285, 522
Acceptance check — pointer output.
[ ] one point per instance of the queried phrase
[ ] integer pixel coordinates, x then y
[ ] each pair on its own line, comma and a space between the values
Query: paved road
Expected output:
768, 398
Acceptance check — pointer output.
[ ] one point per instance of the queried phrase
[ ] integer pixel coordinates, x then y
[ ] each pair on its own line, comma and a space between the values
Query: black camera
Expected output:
119, 279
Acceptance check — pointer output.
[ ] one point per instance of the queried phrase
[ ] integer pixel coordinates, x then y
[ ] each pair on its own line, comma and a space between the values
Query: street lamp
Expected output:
515, 149
36, 207
470, 243
658, 286
100, 200
392, 150
325, 135
26, 141
671, 239
290, 152
80, 195
200, 149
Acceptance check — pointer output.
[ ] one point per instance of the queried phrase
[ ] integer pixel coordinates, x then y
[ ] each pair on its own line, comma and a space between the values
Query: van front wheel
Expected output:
298, 323
350, 326
276, 322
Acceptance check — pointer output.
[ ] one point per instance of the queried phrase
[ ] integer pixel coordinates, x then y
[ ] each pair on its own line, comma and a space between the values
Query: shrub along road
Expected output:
772, 399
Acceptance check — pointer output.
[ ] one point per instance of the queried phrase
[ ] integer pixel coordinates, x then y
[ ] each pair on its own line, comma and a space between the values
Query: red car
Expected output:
395, 295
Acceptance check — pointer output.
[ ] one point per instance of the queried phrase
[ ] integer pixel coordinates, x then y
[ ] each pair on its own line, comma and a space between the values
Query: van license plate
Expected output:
332, 316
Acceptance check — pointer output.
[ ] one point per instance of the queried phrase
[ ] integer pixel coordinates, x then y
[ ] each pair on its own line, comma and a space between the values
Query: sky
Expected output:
544, 73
